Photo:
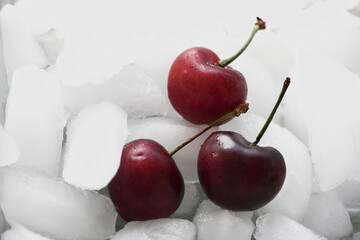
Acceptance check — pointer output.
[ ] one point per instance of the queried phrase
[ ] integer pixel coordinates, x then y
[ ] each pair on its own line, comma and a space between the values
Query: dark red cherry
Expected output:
148, 184
238, 176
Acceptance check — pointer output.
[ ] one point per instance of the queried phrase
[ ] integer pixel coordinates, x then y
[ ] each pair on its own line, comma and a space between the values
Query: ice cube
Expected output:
214, 223
316, 82
170, 133
19, 232
95, 138
54, 208
52, 43
293, 199
94, 61
192, 197
19, 44
274, 226
158, 229
132, 89
314, 33
9, 151
36, 118
326, 207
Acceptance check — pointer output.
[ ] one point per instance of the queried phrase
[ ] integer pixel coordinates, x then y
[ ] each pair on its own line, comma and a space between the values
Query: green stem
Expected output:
271, 116
260, 24
242, 108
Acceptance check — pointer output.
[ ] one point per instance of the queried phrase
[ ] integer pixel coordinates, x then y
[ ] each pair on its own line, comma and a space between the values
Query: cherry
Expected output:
202, 88
148, 184
238, 175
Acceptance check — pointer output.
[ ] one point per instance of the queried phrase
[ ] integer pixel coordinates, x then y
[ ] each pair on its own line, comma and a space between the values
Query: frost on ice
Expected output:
131, 88
192, 197
19, 232
322, 106
95, 138
19, 43
215, 223
36, 118
157, 229
53, 208
327, 208
94, 61
277, 227
9, 151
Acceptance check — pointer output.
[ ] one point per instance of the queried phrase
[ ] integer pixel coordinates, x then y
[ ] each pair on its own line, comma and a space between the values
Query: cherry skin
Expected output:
148, 184
238, 176
202, 92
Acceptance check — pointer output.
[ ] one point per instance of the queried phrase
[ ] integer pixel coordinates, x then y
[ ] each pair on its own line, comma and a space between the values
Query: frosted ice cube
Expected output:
314, 33
293, 199
19, 232
158, 229
315, 83
326, 207
95, 138
170, 133
36, 118
215, 223
52, 43
19, 44
275, 226
131, 89
192, 197
53, 208
9, 151
94, 61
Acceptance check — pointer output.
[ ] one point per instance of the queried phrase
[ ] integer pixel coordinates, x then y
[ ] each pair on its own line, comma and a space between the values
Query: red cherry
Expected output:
202, 92
202, 88
238, 176
148, 184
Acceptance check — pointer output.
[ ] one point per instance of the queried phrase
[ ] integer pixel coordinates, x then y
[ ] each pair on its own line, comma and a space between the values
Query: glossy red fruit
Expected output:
148, 184
237, 176
202, 92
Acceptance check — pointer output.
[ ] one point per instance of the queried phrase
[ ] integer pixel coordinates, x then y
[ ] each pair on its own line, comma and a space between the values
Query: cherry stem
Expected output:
259, 25
242, 108
271, 116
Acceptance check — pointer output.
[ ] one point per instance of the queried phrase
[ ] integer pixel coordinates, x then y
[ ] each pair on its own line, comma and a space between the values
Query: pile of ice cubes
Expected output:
79, 79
